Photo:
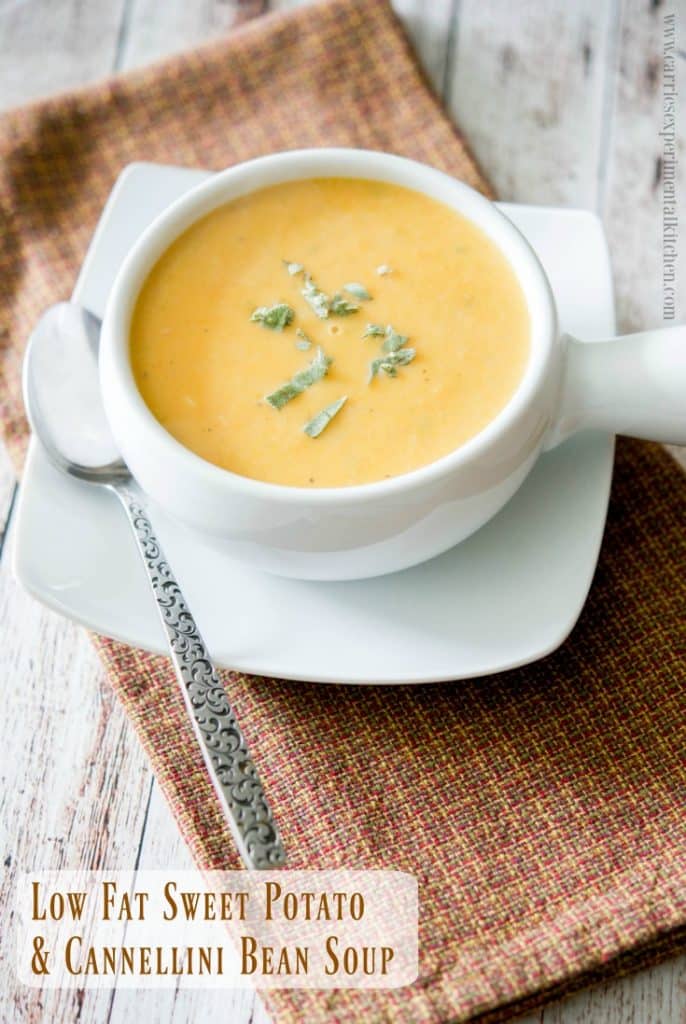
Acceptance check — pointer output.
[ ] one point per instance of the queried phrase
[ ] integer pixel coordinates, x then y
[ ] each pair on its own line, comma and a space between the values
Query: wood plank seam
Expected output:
451, 50
123, 35
4, 532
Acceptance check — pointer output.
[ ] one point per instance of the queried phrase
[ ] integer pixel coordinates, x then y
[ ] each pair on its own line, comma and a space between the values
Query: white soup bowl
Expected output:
634, 385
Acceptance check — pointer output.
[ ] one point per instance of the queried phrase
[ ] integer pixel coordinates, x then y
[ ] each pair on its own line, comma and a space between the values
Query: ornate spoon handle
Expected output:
221, 740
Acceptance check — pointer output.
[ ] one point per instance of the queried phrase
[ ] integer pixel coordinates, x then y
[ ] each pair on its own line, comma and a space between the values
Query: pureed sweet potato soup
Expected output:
329, 332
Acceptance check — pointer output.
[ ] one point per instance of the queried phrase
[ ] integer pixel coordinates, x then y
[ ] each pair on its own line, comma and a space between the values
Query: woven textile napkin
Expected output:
543, 810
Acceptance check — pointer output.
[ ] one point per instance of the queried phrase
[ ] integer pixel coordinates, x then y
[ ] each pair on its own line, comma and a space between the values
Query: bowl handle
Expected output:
633, 385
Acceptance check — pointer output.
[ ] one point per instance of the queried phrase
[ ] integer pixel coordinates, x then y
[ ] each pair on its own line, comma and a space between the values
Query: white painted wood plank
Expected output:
75, 784
163, 849
632, 187
74, 781
430, 27
186, 1006
48, 46
527, 89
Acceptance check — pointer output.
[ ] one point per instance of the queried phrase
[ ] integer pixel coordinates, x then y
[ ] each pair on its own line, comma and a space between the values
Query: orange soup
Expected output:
329, 332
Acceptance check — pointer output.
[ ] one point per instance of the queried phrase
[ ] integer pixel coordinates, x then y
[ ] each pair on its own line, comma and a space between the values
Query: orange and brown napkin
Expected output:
544, 810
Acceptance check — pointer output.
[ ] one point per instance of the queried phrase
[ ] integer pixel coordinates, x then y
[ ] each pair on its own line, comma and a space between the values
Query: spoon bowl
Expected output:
62, 395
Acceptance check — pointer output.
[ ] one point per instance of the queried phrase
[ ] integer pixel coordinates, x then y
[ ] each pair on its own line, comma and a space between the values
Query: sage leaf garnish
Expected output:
373, 331
274, 317
305, 378
393, 341
293, 268
357, 289
390, 362
322, 305
394, 352
340, 306
317, 299
384, 268
320, 422
303, 343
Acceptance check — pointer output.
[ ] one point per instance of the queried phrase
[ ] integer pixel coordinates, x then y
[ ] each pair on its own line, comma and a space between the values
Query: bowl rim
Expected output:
301, 164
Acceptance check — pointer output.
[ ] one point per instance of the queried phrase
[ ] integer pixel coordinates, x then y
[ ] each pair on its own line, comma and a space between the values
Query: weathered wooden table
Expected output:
562, 103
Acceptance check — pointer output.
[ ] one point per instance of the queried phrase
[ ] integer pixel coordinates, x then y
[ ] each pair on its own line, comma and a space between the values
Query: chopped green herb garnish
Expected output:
390, 362
293, 268
394, 352
357, 289
317, 369
393, 341
384, 268
316, 298
274, 317
322, 305
320, 422
303, 342
340, 306
373, 331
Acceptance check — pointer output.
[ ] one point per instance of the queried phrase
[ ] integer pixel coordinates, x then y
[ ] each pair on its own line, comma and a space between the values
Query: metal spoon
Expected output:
62, 397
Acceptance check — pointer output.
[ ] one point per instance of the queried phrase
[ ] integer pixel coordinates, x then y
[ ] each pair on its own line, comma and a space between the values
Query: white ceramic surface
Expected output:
506, 596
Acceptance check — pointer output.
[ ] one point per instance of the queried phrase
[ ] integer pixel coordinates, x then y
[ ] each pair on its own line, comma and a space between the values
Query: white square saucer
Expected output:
508, 595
